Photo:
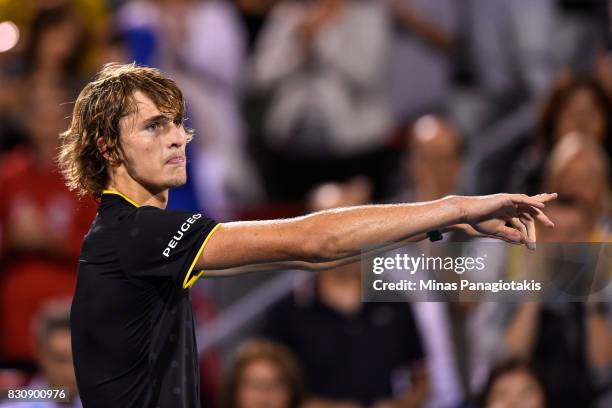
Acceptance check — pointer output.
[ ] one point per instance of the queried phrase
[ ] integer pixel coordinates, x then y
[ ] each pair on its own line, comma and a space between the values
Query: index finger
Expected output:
545, 197
522, 199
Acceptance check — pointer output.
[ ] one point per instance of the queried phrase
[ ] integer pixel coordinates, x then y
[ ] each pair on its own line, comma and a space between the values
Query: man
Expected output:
54, 358
132, 324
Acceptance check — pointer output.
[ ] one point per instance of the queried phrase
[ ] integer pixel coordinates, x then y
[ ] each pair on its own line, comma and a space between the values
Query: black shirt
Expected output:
133, 336
347, 357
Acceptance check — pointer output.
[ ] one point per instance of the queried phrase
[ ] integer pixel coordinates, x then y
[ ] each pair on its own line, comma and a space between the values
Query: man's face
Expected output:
153, 146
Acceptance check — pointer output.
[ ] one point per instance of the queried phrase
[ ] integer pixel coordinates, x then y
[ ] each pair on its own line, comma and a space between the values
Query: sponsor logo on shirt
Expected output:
180, 233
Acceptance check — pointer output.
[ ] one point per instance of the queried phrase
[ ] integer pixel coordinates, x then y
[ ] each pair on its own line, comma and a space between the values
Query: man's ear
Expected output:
102, 147
105, 151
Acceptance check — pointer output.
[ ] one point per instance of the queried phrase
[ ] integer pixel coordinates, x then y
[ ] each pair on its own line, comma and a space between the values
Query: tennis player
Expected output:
133, 334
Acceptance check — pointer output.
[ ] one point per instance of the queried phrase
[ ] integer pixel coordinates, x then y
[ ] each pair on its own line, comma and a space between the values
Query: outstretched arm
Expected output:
338, 234
323, 266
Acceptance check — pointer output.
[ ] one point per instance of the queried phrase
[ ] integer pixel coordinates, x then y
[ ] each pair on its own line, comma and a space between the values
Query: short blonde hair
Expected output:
95, 122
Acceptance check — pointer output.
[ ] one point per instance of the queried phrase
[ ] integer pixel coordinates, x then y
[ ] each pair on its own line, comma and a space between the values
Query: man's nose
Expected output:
177, 136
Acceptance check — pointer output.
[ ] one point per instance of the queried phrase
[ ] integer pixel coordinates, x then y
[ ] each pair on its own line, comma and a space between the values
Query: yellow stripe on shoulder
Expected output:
190, 280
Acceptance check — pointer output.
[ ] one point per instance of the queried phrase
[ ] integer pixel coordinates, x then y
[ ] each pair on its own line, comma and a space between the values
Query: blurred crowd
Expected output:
304, 105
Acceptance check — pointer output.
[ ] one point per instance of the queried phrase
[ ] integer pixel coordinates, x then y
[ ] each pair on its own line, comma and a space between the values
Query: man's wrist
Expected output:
458, 210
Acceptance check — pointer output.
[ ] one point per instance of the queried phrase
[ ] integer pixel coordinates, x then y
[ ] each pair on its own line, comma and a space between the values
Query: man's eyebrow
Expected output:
156, 118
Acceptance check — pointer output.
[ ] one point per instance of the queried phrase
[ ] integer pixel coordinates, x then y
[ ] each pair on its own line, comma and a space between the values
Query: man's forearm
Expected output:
313, 266
347, 231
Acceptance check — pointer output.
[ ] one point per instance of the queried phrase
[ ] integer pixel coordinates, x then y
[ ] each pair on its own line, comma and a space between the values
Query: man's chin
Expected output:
176, 182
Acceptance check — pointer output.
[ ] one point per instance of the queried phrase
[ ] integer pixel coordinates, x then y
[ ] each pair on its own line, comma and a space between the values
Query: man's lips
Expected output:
176, 160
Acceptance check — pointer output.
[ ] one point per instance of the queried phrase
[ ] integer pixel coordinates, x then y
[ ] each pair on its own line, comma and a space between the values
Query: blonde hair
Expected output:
91, 144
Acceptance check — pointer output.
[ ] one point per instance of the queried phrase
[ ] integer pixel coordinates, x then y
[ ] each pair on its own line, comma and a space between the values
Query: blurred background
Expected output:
302, 105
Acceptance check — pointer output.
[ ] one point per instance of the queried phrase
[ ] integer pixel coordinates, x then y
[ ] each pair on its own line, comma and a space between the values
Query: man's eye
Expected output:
153, 126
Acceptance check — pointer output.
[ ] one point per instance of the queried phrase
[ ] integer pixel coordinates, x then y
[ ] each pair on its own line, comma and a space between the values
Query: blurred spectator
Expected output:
578, 169
50, 56
55, 49
42, 225
514, 46
201, 44
514, 384
420, 62
570, 343
54, 358
433, 159
264, 375
326, 79
354, 354
576, 104
461, 340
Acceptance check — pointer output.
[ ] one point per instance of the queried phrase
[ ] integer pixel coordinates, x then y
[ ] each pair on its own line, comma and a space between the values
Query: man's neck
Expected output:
139, 194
